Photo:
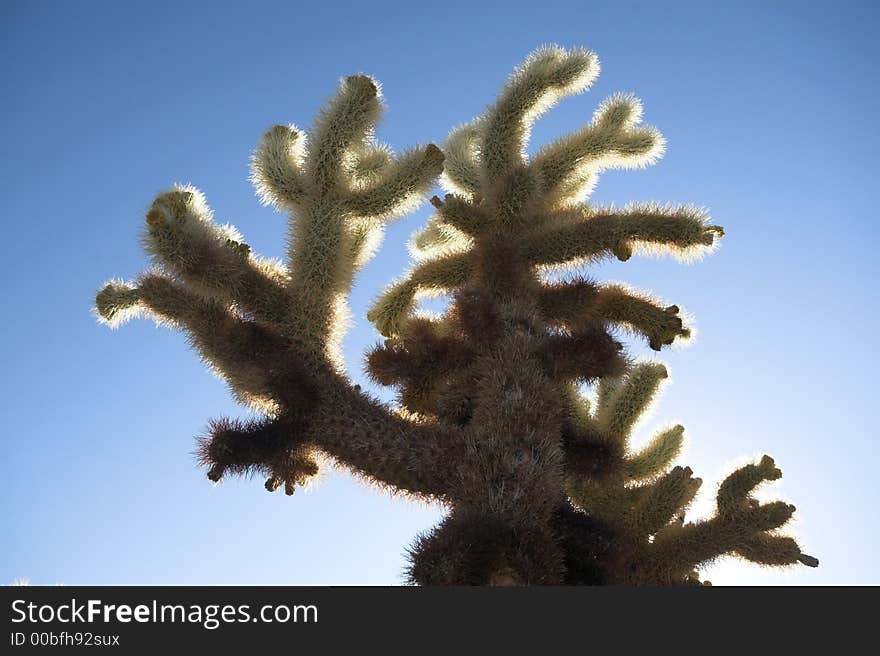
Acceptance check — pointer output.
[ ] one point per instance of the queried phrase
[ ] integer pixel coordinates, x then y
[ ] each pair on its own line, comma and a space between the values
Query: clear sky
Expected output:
769, 112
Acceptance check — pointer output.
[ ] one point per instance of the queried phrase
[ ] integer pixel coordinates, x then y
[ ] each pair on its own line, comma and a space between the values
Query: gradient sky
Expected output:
769, 112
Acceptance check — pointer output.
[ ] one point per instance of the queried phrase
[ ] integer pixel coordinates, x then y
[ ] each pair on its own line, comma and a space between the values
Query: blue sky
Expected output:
768, 109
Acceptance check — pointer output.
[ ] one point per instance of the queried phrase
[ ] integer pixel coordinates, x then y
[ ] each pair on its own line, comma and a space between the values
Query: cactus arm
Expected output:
658, 323
742, 525
417, 457
270, 446
546, 76
400, 184
438, 275
621, 409
356, 431
461, 170
657, 455
276, 167
661, 501
578, 302
613, 139
213, 260
239, 351
344, 122
599, 233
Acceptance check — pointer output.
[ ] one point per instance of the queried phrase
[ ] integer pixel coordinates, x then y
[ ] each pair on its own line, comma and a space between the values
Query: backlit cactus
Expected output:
540, 487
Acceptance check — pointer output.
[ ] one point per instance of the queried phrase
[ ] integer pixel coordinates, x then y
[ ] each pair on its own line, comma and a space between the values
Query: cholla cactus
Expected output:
491, 421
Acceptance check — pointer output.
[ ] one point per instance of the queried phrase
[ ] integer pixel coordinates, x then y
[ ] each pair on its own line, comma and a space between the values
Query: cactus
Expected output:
491, 422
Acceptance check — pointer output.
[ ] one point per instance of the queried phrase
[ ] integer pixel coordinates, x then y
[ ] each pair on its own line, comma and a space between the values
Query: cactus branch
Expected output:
613, 139
599, 233
400, 184
547, 75
276, 167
